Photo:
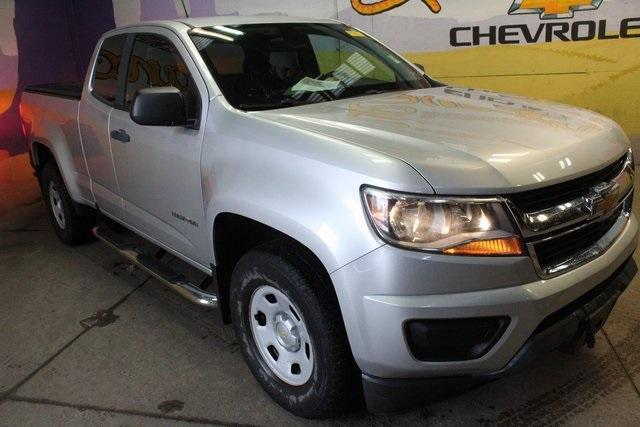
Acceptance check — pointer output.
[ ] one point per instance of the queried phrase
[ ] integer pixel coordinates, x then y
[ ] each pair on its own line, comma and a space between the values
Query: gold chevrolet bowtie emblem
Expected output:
380, 6
553, 9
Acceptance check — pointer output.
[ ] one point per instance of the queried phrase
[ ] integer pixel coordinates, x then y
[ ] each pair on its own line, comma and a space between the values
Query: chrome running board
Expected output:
164, 273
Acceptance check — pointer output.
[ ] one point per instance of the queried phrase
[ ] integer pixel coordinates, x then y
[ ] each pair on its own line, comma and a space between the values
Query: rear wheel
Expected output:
70, 226
291, 334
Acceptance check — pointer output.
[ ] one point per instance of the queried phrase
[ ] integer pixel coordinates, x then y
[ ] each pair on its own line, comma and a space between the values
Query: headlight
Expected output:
454, 226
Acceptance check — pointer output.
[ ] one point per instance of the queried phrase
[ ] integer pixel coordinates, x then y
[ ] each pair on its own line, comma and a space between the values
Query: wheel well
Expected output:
235, 235
41, 156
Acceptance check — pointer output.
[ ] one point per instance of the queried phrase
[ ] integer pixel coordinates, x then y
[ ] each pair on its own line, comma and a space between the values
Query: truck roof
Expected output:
233, 20
256, 19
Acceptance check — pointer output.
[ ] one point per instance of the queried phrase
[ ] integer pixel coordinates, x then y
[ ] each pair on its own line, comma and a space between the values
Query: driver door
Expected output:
158, 167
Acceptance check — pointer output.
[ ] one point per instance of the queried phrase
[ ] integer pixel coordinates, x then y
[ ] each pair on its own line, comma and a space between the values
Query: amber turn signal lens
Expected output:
508, 246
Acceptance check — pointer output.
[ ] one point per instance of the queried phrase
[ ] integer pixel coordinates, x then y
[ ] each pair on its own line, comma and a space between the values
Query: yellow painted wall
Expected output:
601, 75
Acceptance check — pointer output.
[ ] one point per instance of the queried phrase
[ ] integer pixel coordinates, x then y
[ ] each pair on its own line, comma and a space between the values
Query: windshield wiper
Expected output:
376, 91
370, 92
288, 102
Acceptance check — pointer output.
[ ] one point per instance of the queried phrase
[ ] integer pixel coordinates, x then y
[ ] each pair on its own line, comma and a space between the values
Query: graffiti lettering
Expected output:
113, 61
174, 74
381, 6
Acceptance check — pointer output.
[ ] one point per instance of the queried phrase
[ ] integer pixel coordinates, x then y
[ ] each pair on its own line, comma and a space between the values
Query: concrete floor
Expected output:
150, 358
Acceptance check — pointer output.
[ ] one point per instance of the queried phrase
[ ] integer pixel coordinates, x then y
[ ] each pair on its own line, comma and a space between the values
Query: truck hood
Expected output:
468, 141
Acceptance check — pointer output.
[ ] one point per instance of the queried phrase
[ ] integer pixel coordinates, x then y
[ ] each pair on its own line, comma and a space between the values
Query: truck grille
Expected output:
535, 200
556, 251
566, 225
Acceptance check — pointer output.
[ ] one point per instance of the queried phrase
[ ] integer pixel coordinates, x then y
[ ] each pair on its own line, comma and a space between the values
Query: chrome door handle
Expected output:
121, 135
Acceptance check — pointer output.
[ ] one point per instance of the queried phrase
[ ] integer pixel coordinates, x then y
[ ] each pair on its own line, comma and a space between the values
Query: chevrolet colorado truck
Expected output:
364, 227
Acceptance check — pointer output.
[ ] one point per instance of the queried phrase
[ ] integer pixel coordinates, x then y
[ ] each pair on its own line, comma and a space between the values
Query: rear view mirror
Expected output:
420, 66
159, 106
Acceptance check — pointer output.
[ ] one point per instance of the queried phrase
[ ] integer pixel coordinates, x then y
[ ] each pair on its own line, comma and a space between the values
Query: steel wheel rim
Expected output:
56, 205
281, 335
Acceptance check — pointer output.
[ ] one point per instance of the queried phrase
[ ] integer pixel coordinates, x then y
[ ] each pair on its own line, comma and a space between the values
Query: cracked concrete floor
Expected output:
151, 358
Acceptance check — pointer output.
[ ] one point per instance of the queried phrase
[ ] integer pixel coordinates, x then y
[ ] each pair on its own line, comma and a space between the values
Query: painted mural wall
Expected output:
581, 52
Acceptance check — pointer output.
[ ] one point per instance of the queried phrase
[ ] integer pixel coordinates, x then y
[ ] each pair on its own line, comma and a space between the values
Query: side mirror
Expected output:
159, 106
420, 66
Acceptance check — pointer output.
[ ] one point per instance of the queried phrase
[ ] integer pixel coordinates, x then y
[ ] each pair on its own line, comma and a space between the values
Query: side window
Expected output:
155, 62
105, 75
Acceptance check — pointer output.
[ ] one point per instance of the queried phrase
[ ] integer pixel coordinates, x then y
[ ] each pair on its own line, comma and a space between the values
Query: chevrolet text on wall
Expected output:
554, 25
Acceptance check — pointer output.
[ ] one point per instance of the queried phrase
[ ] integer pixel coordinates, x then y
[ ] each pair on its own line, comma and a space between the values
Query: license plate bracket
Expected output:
591, 317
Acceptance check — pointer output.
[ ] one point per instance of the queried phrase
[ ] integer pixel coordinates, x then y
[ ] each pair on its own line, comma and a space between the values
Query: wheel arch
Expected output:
234, 235
41, 154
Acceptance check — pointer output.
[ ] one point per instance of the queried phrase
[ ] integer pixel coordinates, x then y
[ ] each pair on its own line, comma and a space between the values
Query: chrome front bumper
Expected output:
379, 292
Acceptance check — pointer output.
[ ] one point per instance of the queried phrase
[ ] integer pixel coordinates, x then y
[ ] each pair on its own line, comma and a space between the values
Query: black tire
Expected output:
333, 383
70, 226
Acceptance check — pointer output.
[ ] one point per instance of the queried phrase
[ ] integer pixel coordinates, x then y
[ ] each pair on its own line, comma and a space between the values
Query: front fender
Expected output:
304, 185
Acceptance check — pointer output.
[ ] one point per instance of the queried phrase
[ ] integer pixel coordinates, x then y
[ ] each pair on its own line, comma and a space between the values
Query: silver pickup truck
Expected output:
363, 226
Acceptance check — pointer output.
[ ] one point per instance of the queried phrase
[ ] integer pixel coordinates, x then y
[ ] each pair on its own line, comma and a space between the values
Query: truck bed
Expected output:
61, 90
49, 115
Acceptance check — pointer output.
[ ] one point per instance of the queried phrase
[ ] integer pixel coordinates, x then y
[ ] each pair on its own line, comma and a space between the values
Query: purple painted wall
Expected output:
154, 10
202, 7
89, 23
54, 41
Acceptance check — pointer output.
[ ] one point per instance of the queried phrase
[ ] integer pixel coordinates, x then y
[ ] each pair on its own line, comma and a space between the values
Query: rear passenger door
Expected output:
95, 108
158, 168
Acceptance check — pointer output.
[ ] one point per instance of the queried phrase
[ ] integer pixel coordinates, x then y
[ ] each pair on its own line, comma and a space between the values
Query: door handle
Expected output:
121, 135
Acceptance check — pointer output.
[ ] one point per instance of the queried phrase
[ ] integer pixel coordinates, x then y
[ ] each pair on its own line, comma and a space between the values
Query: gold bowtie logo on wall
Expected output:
553, 9
380, 6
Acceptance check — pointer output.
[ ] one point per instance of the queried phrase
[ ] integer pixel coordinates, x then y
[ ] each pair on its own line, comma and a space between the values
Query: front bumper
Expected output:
567, 329
381, 291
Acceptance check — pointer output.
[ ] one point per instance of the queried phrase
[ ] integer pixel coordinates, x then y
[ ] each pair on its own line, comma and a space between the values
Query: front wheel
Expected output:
291, 334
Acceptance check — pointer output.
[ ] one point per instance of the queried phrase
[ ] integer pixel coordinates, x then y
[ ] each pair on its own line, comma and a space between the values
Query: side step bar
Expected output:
161, 271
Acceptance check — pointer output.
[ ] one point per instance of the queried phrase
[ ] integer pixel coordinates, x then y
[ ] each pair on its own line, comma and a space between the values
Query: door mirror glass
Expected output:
159, 106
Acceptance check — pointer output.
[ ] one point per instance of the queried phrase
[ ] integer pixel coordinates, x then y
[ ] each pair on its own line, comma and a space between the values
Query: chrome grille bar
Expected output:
586, 254
599, 203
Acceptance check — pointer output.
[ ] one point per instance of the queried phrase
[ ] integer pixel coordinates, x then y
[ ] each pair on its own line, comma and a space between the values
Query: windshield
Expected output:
267, 66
